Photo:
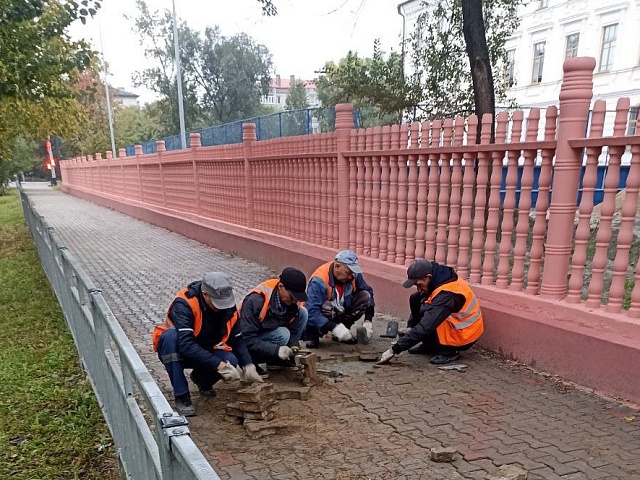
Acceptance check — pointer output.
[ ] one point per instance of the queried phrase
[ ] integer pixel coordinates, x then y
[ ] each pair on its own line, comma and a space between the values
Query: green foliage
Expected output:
297, 98
222, 77
438, 54
50, 422
376, 86
38, 66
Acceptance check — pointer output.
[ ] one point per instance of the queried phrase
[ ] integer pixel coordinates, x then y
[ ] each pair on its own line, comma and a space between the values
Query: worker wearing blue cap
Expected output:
338, 296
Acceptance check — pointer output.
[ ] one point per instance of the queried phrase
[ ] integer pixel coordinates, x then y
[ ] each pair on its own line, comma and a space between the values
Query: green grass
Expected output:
51, 426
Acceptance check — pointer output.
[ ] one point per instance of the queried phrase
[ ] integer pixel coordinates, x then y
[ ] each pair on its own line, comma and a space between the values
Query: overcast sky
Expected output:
304, 35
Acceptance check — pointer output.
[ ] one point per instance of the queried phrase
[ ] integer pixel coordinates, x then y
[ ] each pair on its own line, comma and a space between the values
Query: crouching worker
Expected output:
271, 319
338, 296
201, 332
445, 314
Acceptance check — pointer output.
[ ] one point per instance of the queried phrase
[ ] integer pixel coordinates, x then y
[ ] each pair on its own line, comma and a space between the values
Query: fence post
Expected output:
195, 142
575, 98
344, 125
248, 139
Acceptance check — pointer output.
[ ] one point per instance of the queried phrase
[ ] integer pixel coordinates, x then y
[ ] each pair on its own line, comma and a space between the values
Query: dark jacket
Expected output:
252, 327
317, 294
197, 351
433, 314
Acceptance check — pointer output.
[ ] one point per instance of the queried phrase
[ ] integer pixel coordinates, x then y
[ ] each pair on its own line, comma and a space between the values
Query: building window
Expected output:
609, 35
633, 118
572, 45
538, 62
543, 4
511, 65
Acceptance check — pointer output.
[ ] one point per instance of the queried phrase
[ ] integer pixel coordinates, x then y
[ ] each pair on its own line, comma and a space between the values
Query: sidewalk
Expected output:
375, 423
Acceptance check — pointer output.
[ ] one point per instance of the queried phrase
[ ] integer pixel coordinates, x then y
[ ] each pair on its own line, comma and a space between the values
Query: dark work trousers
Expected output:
353, 312
431, 342
204, 377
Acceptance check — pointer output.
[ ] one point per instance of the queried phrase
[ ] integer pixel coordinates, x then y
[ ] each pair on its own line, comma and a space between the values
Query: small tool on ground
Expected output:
461, 367
334, 373
392, 330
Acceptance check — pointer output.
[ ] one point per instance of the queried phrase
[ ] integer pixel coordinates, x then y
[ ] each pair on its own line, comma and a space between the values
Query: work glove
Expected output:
228, 372
368, 326
250, 374
327, 309
386, 356
285, 353
342, 333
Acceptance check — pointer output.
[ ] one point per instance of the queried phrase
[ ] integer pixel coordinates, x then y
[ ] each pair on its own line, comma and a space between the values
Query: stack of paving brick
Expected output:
255, 402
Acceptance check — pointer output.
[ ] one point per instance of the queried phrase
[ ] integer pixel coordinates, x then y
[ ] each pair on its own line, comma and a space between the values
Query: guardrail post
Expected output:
344, 125
248, 139
575, 98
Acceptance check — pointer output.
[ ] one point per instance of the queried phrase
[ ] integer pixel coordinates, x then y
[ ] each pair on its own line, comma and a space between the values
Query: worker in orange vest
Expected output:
272, 318
201, 331
445, 314
338, 296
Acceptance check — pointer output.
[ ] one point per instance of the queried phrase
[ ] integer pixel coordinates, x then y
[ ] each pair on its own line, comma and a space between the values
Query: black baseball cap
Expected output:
295, 281
418, 269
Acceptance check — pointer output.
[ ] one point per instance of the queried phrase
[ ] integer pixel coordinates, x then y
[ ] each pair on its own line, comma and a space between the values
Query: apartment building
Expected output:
279, 91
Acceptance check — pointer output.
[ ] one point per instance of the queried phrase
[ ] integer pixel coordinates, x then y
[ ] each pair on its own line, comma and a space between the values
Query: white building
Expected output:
279, 91
126, 99
551, 31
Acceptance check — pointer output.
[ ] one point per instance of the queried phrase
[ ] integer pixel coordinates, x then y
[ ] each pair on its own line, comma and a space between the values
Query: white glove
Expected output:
284, 353
228, 372
250, 374
368, 326
342, 333
386, 356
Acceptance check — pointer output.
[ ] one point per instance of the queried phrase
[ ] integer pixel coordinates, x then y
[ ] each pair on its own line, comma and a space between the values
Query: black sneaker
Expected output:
312, 337
184, 406
204, 391
444, 358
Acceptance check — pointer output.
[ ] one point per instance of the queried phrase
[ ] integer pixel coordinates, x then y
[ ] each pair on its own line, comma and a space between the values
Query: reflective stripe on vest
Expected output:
322, 272
266, 290
465, 326
194, 304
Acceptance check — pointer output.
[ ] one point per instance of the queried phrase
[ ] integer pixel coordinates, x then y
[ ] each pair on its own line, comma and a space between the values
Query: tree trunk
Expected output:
478, 52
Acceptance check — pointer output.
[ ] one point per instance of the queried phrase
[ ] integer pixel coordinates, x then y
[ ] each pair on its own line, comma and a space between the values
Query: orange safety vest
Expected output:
322, 272
197, 323
465, 326
266, 290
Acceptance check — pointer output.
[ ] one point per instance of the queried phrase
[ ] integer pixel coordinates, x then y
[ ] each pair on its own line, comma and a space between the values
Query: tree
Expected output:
442, 60
376, 86
297, 98
38, 68
232, 72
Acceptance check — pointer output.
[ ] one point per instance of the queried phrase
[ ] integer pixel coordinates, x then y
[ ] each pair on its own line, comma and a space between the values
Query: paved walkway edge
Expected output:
588, 347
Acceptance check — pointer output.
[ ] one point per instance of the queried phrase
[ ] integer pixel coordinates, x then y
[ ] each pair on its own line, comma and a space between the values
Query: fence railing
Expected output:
426, 189
123, 385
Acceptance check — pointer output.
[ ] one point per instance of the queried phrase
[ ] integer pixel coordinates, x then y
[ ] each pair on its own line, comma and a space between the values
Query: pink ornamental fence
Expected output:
422, 190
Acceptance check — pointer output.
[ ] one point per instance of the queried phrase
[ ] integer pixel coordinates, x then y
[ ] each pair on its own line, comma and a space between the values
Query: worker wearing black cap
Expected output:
271, 318
445, 314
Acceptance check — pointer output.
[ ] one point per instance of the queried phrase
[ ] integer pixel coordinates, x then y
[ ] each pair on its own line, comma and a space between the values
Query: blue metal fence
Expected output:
282, 124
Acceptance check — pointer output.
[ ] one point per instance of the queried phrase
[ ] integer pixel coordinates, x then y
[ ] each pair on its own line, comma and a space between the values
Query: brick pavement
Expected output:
375, 423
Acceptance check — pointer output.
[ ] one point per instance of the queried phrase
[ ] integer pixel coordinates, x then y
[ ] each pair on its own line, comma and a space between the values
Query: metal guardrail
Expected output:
120, 380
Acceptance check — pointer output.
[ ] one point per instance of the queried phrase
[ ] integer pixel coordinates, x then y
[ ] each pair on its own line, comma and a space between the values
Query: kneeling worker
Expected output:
445, 314
271, 319
201, 332
337, 297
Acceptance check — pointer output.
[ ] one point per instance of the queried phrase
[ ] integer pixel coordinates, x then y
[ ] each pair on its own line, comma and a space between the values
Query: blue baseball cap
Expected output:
350, 259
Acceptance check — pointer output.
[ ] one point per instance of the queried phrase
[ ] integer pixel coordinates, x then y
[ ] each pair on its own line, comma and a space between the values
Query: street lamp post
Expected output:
183, 135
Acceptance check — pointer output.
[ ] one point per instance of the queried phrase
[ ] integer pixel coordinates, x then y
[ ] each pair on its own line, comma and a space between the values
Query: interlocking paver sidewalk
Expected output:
374, 423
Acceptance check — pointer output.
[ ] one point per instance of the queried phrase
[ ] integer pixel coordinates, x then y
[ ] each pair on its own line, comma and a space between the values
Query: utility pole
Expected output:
183, 135
106, 87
